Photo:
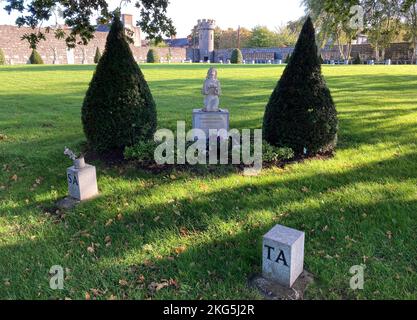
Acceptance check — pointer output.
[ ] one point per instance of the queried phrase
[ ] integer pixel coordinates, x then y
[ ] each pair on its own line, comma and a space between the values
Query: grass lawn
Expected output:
200, 235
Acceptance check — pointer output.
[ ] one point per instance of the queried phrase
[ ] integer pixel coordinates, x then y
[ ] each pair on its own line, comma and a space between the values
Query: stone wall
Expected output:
17, 51
397, 52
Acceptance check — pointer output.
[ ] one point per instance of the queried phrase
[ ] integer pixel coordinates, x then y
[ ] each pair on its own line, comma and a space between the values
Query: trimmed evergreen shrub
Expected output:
97, 56
236, 57
118, 109
357, 60
301, 114
35, 57
2, 58
152, 56
288, 58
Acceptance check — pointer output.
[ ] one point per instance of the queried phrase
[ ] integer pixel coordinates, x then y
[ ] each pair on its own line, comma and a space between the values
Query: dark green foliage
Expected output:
35, 57
357, 60
152, 56
118, 109
275, 154
79, 15
142, 152
236, 57
2, 58
288, 58
97, 56
301, 114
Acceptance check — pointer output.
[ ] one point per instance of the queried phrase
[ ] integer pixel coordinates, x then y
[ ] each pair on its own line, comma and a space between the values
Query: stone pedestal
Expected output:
283, 255
211, 120
82, 183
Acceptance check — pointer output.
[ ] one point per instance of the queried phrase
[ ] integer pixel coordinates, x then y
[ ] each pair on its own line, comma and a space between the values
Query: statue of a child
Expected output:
211, 91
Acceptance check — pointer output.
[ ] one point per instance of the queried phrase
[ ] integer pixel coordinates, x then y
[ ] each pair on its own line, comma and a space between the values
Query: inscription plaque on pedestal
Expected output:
212, 120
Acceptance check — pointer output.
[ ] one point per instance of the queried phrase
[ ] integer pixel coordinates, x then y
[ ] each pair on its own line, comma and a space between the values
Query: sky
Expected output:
227, 13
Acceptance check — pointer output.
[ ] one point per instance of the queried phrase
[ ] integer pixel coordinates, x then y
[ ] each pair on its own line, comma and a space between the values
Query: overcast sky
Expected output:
227, 13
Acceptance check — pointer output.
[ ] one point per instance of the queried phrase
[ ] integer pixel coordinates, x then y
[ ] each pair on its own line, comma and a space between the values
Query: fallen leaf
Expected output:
112, 297
87, 296
305, 189
180, 249
156, 218
119, 216
90, 249
155, 286
123, 283
96, 292
389, 235
109, 222
184, 231
13, 177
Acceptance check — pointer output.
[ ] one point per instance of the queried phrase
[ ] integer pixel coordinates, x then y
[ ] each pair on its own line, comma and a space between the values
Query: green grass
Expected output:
204, 231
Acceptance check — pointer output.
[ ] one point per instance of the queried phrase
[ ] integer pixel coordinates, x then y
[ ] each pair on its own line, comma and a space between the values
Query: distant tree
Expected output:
301, 114
78, 16
228, 39
383, 19
97, 56
236, 57
118, 109
152, 56
2, 57
262, 37
285, 36
35, 57
409, 10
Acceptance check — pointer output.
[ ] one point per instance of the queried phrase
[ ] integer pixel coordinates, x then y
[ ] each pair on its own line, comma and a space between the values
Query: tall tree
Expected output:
382, 21
262, 37
78, 15
333, 19
409, 9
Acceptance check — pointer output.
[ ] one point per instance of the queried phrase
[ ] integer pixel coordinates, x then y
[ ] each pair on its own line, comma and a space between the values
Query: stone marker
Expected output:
283, 255
82, 178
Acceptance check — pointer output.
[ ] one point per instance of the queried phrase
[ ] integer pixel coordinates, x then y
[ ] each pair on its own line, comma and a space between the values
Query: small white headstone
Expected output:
283, 255
82, 183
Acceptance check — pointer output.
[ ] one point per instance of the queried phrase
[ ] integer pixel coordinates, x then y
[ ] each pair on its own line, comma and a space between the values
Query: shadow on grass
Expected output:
222, 264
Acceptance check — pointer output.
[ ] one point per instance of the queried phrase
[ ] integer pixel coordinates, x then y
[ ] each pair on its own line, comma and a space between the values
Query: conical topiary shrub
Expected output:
97, 56
357, 60
118, 109
2, 58
301, 114
35, 57
152, 56
236, 57
288, 58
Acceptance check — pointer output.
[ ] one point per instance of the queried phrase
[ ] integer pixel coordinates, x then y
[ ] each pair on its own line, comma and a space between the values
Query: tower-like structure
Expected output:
206, 39
135, 32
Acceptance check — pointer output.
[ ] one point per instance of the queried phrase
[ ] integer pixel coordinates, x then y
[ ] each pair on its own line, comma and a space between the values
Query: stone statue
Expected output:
211, 91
